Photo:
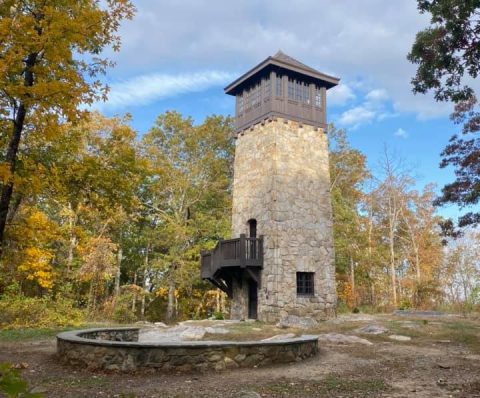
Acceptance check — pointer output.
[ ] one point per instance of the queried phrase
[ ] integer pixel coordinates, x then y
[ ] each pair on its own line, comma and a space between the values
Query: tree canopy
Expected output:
447, 55
50, 59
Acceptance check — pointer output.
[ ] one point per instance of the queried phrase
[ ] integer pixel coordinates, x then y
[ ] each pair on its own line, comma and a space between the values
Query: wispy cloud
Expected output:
145, 89
340, 95
373, 107
357, 116
401, 133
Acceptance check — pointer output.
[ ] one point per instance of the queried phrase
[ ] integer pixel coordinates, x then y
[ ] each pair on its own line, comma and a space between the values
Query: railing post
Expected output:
243, 251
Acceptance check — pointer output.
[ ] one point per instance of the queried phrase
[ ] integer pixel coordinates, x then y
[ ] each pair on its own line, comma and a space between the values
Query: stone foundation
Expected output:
83, 349
282, 181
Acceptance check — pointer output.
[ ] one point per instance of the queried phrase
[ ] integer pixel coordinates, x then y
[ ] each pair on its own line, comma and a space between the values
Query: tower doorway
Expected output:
252, 299
252, 228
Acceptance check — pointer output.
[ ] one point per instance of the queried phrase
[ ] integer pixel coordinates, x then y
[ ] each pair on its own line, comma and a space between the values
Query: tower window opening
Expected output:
252, 228
298, 91
278, 86
268, 89
291, 89
318, 97
305, 285
306, 95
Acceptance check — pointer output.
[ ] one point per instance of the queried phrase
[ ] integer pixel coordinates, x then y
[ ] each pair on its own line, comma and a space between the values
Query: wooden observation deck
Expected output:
230, 259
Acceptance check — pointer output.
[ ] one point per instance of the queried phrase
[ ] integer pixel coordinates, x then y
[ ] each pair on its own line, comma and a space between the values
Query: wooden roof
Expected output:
281, 61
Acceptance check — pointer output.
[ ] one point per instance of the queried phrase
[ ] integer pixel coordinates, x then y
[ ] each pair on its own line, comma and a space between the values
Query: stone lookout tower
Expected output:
280, 260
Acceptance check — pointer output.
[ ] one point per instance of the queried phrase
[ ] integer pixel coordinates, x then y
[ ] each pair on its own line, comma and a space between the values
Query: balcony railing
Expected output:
241, 252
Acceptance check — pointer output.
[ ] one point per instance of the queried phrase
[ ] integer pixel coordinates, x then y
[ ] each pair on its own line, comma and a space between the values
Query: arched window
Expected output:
252, 228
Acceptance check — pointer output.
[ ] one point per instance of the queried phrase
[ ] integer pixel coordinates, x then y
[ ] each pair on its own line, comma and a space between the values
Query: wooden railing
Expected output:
240, 252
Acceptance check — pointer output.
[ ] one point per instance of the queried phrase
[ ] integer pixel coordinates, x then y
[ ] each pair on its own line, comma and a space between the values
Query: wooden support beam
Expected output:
253, 275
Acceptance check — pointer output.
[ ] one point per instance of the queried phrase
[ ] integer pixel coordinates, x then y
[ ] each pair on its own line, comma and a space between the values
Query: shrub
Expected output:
45, 312
12, 383
218, 315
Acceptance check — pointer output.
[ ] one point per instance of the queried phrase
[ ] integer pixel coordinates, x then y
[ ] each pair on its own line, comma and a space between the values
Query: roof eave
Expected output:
246, 75
230, 89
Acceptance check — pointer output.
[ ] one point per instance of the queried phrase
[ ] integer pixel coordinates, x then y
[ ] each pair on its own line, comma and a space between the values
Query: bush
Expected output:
342, 307
45, 312
405, 304
218, 315
12, 383
119, 309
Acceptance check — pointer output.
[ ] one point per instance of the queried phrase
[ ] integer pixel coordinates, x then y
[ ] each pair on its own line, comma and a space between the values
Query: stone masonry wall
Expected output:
127, 356
282, 180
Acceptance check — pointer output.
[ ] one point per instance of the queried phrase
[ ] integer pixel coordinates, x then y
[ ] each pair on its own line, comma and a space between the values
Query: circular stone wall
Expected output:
119, 349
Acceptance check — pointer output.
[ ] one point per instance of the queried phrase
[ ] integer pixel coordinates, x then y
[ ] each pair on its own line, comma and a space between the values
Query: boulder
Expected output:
337, 338
216, 330
293, 321
372, 329
193, 333
399, 337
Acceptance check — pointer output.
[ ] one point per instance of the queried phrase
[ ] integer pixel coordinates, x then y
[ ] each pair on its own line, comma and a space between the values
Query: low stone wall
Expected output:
80, 348
110, 334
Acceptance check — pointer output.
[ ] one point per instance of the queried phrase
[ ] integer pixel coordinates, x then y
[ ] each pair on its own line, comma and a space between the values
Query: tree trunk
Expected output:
144, 284
171, 299
119, 272
134, 299
352, 282
393, 276
12, 149
72, 221
417, 264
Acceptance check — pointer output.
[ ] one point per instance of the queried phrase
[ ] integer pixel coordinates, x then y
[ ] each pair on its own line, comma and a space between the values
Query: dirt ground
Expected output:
442, 359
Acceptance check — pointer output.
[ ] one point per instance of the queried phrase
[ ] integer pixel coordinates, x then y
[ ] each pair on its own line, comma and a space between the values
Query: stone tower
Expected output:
280, 261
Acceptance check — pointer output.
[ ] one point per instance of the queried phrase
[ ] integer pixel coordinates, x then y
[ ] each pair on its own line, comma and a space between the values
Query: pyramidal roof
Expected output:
282, 57
281, 61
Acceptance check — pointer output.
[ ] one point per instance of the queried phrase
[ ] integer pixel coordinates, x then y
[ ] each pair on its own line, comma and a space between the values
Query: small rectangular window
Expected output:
291, 89
268, 89
258, 98
318, 97
306, 94
278, 86
298, 91
305, 285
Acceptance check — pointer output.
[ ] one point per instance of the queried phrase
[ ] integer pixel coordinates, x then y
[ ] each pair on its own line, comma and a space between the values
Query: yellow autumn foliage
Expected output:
36, 266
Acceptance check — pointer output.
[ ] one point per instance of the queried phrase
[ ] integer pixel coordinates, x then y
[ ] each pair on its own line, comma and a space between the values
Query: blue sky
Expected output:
179, 54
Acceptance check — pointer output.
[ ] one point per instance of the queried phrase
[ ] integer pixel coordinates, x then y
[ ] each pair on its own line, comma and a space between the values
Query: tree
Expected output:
348, 173
49, 60
448, 57
188, 193
461, 269
391, 196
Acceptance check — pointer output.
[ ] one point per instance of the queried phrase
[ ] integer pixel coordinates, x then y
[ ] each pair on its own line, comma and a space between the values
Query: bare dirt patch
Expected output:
442, 359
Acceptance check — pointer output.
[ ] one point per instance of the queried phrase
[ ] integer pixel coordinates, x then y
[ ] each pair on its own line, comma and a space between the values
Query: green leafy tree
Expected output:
448, 57
188, 193
348, 174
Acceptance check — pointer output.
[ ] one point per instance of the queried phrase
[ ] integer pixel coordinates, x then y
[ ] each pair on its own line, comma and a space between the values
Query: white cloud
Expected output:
353, 39
400, 133
377, 95
145, 89
340, 95
357, 116
373, 107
